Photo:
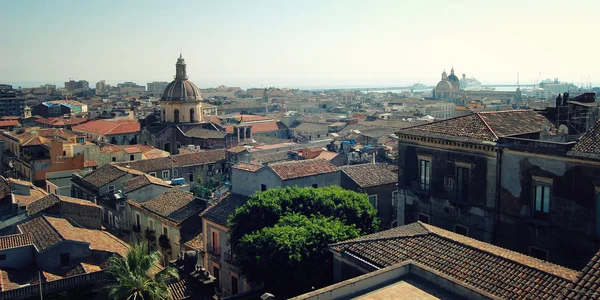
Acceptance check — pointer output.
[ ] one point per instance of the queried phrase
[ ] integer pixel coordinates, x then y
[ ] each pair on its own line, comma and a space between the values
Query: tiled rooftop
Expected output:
107, 127
247, 167
302, 168
200, 157
588, 144
498, 271
369, 175
587, 284
104, 175
149, 165
142, 181
175, 205
484, 126
220, 211
15, 240
202, 133
43, 234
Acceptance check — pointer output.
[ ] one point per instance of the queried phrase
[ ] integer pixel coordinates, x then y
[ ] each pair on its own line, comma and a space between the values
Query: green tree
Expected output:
133, 276
280, 236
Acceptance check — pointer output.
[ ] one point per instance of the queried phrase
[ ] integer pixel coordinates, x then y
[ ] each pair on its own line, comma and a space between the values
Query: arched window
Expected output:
192, 115
176, 116
164, 118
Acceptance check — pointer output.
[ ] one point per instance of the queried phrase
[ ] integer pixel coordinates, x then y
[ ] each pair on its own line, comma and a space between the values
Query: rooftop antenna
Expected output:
518, 85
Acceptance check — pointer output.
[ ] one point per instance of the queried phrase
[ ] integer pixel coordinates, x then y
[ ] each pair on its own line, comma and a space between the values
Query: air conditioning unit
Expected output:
191, 147
197, 147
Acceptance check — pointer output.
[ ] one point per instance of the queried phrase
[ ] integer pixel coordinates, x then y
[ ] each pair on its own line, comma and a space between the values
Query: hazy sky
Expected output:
299, 43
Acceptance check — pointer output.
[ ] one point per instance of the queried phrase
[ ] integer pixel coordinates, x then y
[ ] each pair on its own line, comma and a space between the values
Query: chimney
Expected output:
559, 100
565, 98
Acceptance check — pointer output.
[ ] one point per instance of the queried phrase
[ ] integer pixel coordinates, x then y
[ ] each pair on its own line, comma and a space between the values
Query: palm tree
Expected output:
134, 277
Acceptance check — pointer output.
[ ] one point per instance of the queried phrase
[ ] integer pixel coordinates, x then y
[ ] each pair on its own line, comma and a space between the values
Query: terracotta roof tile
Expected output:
588, 144
196, 242
8, 123
247, 167
149, 165
15, 240
225, 206
43, 234
104, 175
107, 127
179, 288
143, 181
587, 283
498, 271
175, 205
90, 163
484, 126
237, 149
302, 168
200, 157
267, 127
202, 133
369, 175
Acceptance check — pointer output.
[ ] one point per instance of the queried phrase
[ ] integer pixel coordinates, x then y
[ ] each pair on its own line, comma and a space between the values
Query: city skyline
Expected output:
308, 44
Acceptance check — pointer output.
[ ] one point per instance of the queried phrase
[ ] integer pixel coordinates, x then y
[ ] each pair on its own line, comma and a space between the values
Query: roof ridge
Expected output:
45, 217
487, 126
447, 236
361, 239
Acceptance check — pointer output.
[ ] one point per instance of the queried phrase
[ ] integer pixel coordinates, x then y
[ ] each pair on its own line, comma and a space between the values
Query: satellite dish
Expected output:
563, 129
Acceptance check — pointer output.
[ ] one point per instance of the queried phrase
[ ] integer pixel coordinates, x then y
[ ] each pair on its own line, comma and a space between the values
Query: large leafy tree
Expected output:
280, 236
134, 276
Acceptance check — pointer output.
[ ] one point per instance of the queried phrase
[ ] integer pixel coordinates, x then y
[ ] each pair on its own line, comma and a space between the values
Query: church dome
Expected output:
444, 86
181, 89
453, 78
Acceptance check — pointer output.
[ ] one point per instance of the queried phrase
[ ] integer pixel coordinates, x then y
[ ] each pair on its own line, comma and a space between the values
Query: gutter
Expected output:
498, 191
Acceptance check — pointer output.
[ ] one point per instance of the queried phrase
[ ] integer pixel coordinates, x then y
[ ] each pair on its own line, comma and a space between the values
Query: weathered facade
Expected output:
509, 180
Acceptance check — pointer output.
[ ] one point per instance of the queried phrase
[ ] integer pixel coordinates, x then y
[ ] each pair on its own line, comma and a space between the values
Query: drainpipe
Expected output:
498, 192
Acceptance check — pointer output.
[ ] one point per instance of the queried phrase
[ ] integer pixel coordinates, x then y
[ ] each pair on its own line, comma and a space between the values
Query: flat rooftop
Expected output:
409, 287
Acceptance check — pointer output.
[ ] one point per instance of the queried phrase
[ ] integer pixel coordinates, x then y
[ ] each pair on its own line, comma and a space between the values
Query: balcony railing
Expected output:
214, 250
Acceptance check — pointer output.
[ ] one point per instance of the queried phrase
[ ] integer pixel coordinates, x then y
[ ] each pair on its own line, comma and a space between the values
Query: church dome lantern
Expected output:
181, 89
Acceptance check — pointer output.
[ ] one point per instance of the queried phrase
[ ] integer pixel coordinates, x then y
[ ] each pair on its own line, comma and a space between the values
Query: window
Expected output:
263, 187
424, 173
2, 257
373, 200
65, 259
175, 173
541, 197
152, 174
215, 242
131, 157
114, 158
394, 198
234, 284
538, 253
462, 184
165, 231
150, 224
111, 189
165, 174
461, 230
315, 185
191, 177
424, 218
217, 274
137, 219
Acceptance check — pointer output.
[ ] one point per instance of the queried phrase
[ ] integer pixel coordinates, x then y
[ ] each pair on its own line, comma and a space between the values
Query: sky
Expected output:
299, 43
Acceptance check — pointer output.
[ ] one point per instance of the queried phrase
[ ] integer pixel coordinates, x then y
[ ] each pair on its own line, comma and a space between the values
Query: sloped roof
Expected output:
142, 181
587, 284
484, 126
43, 234
588, 144
202, 133
15, 240
267, 127
498, 271
200, 157
369, 175
225, 206
104, 175
247, 167
302, 168
107, 127
149, 165
175, 205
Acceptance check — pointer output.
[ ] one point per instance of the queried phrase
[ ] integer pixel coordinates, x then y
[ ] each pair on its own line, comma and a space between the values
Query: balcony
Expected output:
213, 250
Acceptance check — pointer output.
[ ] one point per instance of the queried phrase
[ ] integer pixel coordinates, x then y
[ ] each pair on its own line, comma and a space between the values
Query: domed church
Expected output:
181, 123
448, 87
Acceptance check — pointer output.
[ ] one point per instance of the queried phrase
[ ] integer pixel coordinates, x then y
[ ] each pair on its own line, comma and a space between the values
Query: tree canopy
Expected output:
280, 236
135, 276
